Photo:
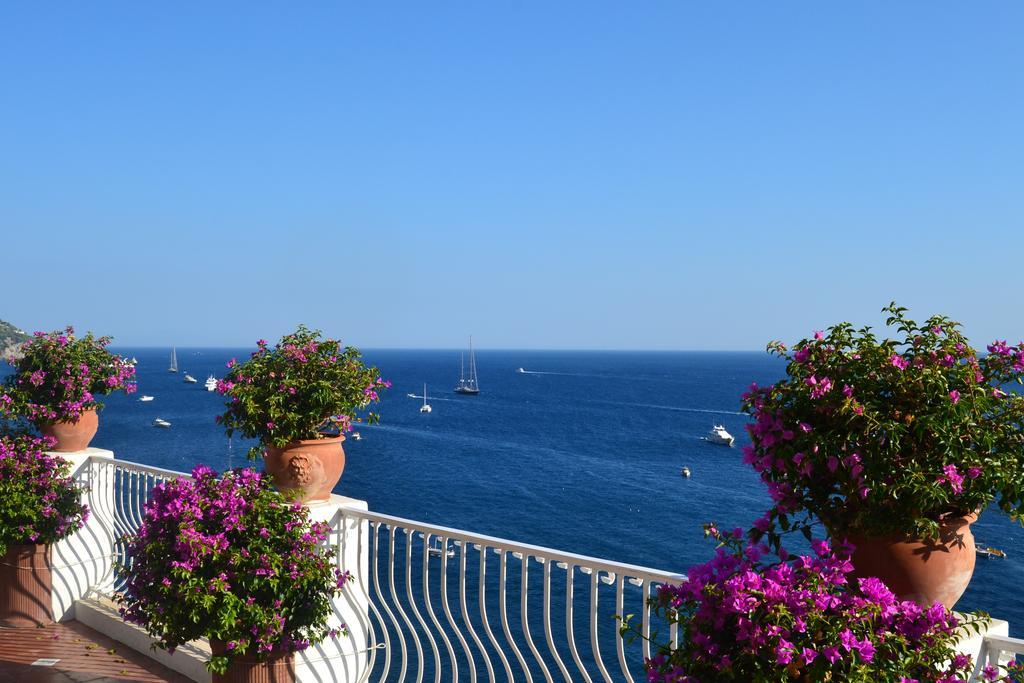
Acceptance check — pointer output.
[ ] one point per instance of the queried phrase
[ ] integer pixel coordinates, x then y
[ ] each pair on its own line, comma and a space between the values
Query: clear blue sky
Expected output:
674, 175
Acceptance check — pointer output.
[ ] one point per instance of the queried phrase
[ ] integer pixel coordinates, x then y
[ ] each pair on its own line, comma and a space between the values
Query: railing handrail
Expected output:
994, 649
137, 467
1005, 643
508, 545
637, 571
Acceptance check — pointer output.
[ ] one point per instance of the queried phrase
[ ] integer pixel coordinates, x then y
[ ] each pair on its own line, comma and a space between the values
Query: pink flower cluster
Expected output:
39, 501
742, 618
60, 375
303, 387
229, 558
883, 436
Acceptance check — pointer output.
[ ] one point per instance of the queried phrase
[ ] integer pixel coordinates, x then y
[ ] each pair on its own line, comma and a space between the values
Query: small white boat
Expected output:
990, 552
521, 371
189, 379
145, 399
425, 408
357, 436
720, 436
161, 423
435, 549
211, 383
685, 472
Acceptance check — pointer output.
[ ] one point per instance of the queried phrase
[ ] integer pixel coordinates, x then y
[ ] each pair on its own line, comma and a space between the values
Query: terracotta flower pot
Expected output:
278, 667
306, 470
72, 435
923, 571
25, 586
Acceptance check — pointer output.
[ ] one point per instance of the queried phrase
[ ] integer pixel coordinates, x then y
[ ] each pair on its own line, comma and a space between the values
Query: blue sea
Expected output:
581, 453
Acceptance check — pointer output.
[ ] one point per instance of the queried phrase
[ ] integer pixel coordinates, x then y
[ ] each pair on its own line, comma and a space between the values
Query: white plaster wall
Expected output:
343, 659
85, 559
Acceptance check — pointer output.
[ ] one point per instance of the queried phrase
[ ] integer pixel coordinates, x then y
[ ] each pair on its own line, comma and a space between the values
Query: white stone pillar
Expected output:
85, 559
343, 659
971, 643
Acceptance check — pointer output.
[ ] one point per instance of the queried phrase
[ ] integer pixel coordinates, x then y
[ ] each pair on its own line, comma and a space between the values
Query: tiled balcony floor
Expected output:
84, 656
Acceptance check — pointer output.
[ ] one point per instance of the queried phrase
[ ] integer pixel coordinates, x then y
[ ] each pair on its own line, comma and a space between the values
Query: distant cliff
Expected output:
10, 339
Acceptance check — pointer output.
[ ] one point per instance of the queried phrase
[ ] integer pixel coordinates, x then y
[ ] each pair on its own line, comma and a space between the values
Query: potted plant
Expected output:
231, 560
40, 504
744, 618
298, 399
57, 380
894, 444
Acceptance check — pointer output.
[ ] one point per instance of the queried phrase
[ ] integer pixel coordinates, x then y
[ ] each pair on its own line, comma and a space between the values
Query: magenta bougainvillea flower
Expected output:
39, 500
299, 389
229, 558
747, 616
922, 427
59, 376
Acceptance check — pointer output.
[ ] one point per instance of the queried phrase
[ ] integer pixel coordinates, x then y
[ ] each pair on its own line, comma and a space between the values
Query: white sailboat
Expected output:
425, 408
174, 361
468, 385
161, 423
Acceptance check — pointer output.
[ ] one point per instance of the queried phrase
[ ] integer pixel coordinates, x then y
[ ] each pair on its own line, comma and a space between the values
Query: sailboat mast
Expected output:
472, 363
467, 386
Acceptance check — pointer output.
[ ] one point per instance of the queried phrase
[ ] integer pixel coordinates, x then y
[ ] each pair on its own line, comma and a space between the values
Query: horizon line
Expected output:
460, 349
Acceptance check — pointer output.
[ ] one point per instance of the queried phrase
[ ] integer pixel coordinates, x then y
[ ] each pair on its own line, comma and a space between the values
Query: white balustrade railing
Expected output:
118, 493
996, 651
449, 605
431, 603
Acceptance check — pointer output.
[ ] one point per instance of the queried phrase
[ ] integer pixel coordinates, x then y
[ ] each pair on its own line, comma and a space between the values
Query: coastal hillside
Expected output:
10, 339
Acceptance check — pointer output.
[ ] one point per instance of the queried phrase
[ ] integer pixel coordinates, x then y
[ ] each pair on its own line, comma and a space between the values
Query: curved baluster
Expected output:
547, 623
133, 518
524, 589
401, 611
483, 614
620, 645
433, 616
416, 611
594, 645
503, 610
464, 549
100, 478
374, 561
569, 628
448, 611
645, 623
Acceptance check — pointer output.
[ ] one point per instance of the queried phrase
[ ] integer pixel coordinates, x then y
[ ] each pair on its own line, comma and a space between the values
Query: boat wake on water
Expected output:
673, 408
522, 371
432, 398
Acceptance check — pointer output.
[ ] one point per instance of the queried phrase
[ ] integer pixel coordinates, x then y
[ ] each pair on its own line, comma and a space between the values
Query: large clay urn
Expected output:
306, 470
277, 667
71, 435
925, 572
25, 586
